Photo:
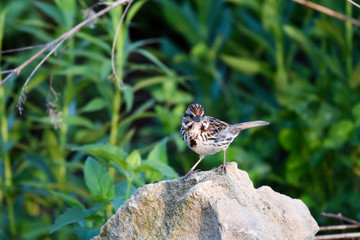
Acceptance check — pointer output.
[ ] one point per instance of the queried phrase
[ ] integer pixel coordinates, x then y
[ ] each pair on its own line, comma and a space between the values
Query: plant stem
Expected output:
115, 116
128, 188
349, 41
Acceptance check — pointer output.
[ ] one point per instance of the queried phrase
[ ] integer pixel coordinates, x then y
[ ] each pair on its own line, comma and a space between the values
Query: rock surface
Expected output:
210, 205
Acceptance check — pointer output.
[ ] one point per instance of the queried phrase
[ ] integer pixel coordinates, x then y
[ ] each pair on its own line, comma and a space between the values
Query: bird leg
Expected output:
223, 166
192, 169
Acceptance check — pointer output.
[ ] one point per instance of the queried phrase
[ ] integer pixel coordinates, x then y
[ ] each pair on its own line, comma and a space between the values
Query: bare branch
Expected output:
6, 71
328, 11
338, 227
340, 217
64, 36
114, 44
338, 236
22, 49
52, 90
354, 3
22, 94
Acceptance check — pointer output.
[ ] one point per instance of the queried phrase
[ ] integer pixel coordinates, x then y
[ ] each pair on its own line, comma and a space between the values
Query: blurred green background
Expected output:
71, 158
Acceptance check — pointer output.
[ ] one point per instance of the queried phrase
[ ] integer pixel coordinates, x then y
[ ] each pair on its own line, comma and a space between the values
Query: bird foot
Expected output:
189, 174
222, 169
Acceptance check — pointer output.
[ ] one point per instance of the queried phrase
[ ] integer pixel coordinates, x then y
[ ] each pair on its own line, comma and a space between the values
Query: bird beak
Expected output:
197, 118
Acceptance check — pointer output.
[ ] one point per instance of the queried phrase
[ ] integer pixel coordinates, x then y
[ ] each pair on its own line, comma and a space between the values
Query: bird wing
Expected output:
216, 126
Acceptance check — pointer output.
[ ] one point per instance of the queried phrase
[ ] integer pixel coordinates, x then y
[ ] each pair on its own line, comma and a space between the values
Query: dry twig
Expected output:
340, 217
328, 11
114, 44
354, 3
60, 39
337, 227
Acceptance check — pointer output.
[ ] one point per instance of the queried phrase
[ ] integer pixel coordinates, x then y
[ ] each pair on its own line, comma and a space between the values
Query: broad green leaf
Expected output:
108, 152
134, 159
98, 180
160, 167
158, 153
339, 134
69, 199
94, 105
71, 215
156, 166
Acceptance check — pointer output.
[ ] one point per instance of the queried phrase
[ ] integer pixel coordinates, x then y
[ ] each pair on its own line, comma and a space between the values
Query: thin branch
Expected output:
338, 227
64, 36
22, 49
22, 94
114, 43
54, 67
6, 71
354, 3
338, 236
328, 11
340, 217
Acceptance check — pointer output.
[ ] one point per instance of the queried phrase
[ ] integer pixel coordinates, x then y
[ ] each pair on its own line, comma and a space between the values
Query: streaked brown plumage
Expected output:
206, 135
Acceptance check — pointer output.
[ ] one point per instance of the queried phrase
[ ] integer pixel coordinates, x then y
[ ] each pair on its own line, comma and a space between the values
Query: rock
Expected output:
210, 205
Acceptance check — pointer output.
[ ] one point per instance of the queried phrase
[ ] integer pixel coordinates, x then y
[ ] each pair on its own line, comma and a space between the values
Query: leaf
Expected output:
98, 181
160, 167
158, 153
155, 60
129, 97
95, 41
156, 163
244, 65
134, 9
108, 152
134, 159
339, 134
50, 10
69, 199
94, 105
71, 215
182, 19
78, 121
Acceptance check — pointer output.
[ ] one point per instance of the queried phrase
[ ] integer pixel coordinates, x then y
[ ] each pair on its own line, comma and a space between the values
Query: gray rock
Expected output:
210, 205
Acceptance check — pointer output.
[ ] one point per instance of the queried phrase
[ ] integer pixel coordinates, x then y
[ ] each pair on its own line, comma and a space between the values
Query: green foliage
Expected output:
98, 181
270, 60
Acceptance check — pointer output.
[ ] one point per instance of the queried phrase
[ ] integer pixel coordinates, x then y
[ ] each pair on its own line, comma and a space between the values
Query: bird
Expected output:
207, 135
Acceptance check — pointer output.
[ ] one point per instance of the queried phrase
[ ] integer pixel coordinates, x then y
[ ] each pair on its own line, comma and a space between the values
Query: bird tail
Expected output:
246, 125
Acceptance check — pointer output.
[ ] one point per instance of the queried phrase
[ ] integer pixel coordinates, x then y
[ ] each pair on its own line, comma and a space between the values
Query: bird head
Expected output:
195, 112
